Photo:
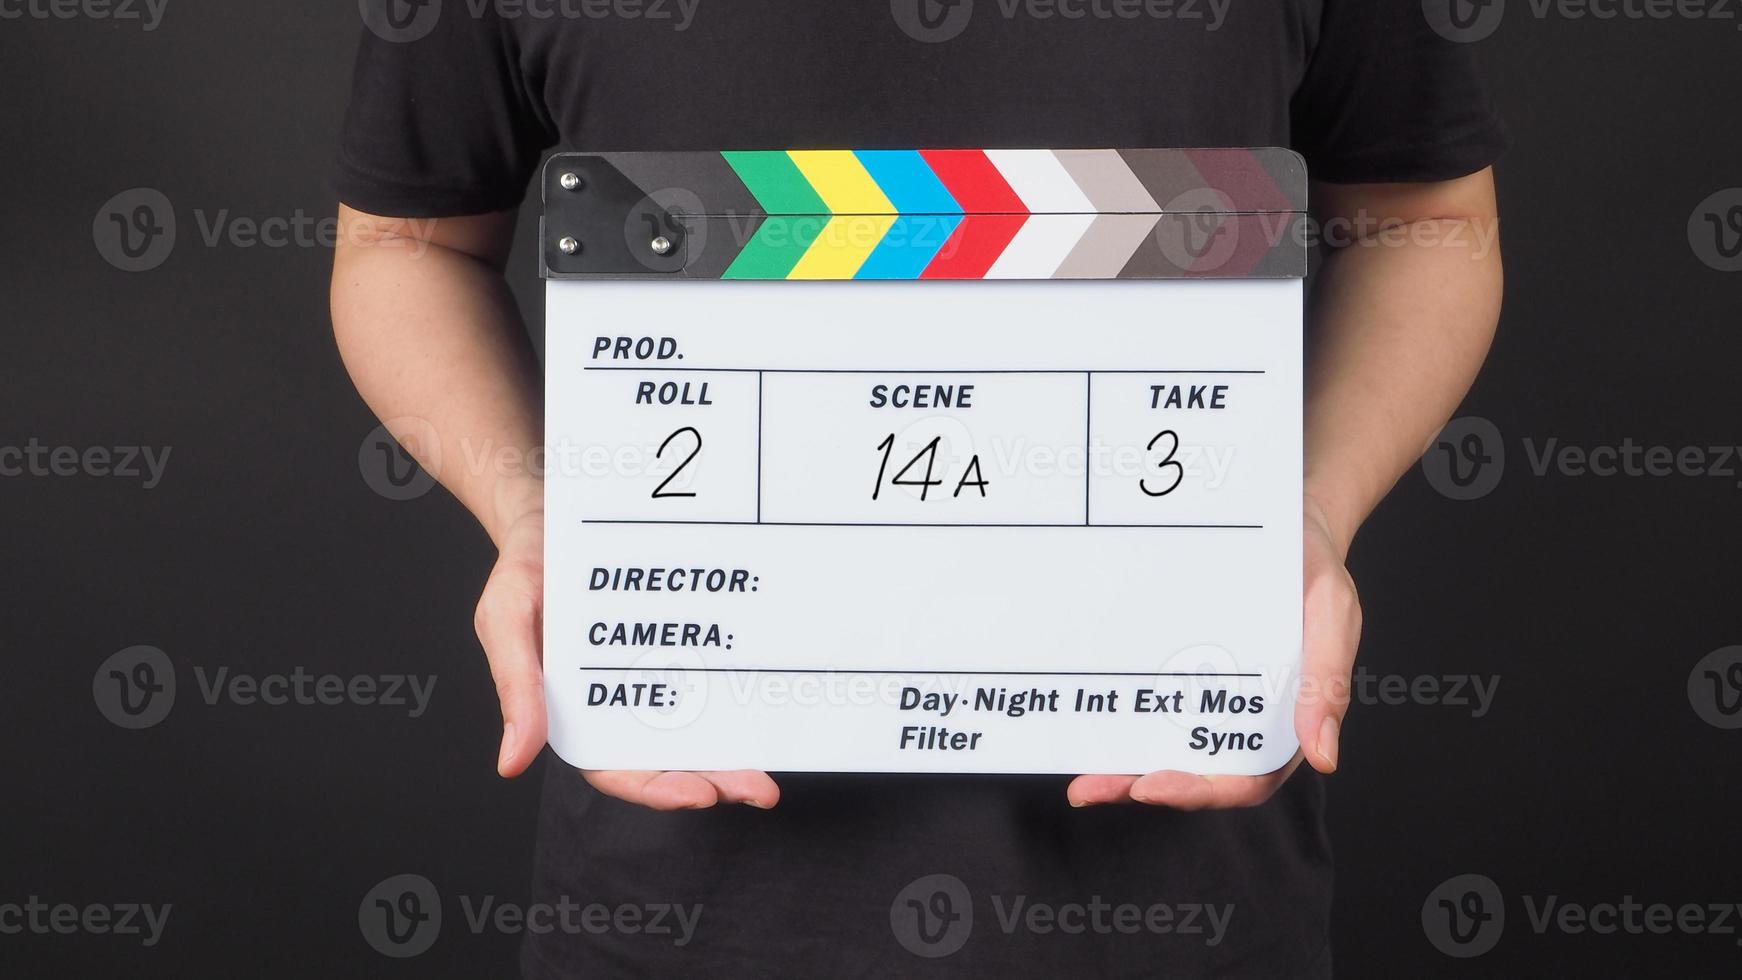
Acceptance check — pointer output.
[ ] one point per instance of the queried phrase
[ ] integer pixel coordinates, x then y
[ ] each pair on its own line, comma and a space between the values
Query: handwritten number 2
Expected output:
661, 491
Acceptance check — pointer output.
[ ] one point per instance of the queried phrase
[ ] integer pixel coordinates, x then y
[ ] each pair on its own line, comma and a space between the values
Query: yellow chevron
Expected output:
841, 181
842, 246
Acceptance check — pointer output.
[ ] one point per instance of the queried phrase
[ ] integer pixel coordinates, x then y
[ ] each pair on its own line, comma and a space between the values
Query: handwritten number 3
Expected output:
660, 490
1179, 471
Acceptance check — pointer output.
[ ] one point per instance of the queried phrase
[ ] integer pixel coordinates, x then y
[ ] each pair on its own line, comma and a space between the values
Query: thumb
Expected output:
1331, 632
509, 624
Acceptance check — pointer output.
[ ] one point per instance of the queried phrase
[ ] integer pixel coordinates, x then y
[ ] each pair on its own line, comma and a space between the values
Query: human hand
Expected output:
510, 622
1331, 614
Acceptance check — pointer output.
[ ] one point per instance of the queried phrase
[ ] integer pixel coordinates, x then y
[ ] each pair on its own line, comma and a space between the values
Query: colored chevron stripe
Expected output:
973, 181
776, 182
777, 247
842, 182
913, 241
909, 182
973, 213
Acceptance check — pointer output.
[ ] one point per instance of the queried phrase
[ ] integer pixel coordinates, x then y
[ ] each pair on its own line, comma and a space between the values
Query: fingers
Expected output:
509, 621
1331, 632
1180, 790
686, 790
1090, 790
1185, 791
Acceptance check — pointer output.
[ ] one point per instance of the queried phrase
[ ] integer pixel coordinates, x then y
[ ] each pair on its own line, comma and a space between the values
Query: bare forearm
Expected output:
1402, 323
433, 335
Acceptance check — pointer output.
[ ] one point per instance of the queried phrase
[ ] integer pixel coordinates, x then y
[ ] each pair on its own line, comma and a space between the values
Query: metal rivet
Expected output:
661, 245
570, 181
568, 246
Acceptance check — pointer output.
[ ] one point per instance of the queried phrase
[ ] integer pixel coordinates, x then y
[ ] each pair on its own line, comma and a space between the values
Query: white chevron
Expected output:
1040, 180
1041, 246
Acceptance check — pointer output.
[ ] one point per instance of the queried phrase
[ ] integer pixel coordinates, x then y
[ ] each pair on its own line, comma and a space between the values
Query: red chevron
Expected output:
994, 214
973, 181
974, 246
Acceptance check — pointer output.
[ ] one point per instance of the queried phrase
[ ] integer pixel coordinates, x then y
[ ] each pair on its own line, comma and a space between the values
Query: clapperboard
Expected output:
924, 460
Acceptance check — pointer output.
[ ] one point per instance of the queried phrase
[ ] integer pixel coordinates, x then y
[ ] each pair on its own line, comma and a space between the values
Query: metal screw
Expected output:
570, 181
661, 245
568, 246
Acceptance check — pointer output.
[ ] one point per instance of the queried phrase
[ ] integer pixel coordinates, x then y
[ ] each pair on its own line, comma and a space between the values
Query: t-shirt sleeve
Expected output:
1385, 97
441, 124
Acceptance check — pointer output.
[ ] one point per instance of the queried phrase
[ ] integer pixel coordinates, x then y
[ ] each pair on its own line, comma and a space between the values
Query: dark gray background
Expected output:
1591, 599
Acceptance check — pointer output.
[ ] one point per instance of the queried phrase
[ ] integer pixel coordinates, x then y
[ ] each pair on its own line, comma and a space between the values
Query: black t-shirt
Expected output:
878, 876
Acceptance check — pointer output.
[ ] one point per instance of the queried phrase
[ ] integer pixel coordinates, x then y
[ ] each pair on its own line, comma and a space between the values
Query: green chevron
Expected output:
775, 181
776, 247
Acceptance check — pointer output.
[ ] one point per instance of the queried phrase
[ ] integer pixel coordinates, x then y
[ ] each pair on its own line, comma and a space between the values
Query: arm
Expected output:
1402, 317
432, 339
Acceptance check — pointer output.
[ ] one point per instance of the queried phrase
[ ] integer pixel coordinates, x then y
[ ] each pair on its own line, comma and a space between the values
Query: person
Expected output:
810, 875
